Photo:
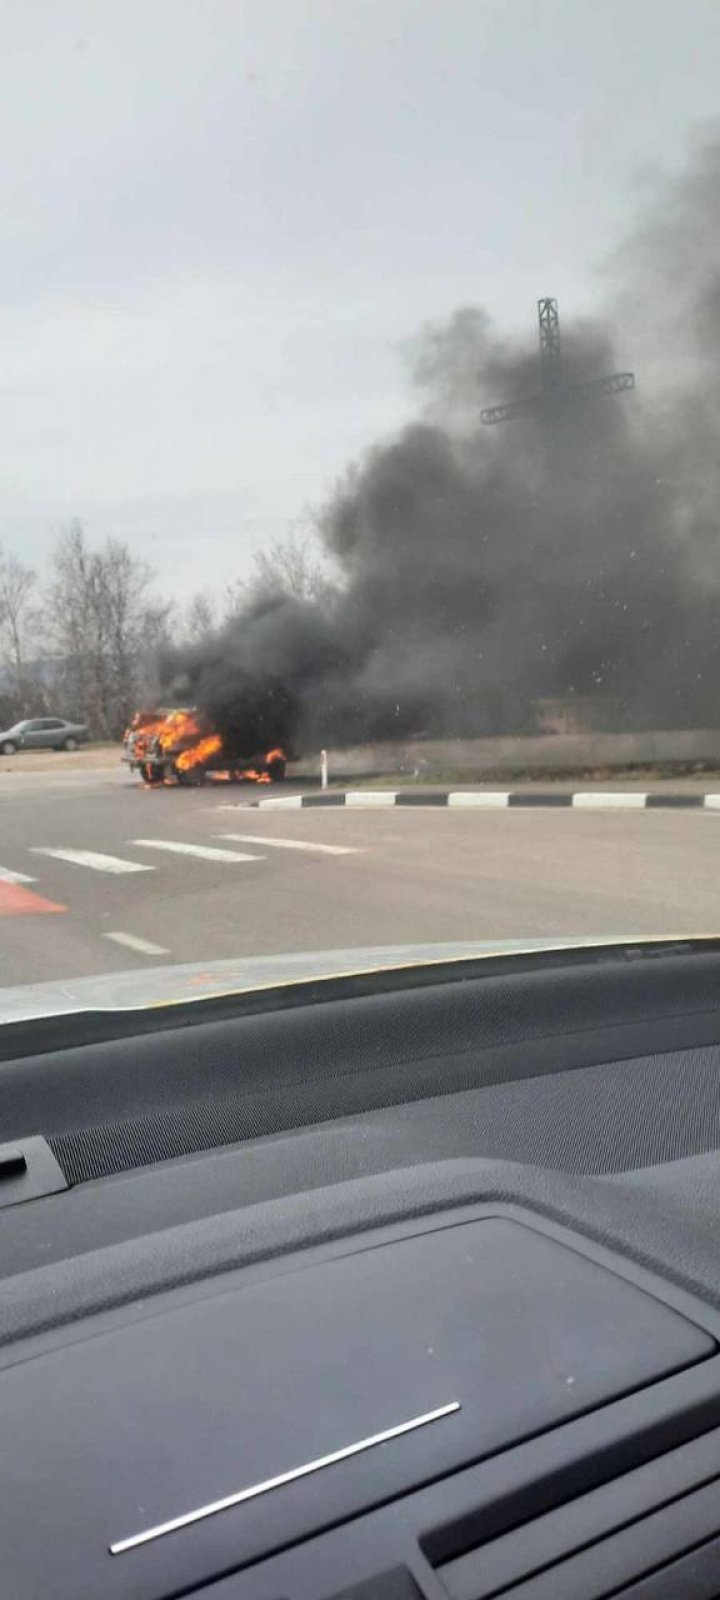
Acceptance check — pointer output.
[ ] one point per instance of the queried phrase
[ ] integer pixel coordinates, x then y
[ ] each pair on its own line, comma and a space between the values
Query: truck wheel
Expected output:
150, 774
192, 778
276, 770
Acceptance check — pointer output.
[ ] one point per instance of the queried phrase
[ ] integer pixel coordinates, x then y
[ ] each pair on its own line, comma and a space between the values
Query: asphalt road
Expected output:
99, 875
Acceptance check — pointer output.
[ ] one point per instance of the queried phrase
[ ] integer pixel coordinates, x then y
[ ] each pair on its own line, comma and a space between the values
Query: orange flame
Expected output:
251, 775
198, 747
143, 727
179, 725
198, 753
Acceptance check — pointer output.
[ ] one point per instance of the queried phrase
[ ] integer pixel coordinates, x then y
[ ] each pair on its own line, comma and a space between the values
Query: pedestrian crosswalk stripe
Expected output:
205, 852
92, 859
144, 947
293, 844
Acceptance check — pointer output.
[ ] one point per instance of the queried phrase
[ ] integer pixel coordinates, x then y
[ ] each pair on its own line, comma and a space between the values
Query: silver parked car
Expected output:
43, 733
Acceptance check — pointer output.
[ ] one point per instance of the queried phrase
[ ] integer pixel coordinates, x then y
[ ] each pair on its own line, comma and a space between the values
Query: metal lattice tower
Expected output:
555, 393
550, 357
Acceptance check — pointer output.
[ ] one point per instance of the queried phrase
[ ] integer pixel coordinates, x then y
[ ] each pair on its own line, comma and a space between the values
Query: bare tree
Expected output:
235, 599
159, 633
101, 624
121, 582
17, 583
200, 618
287, 566
18, 632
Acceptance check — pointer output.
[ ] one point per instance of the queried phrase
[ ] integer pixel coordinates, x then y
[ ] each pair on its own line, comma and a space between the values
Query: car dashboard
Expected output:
404, 1286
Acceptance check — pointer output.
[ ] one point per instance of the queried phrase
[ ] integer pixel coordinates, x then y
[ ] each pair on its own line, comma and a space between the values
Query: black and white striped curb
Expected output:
494, 800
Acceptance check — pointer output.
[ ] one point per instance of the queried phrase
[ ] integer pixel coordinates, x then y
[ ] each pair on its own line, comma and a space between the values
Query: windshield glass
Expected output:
360, 507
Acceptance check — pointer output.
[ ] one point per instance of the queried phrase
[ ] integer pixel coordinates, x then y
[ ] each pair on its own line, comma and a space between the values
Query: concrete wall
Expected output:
552, 752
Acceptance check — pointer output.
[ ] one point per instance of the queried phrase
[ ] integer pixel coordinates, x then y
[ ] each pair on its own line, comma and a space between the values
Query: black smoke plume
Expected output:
570, 554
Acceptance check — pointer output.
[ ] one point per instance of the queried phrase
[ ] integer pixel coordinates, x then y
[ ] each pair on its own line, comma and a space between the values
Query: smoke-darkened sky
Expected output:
221, 219
571, 551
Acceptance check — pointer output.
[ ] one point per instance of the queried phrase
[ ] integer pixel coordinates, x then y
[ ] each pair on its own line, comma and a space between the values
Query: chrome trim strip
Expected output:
304, 1471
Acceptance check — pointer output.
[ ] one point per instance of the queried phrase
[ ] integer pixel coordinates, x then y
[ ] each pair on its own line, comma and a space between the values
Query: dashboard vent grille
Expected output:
597, 1544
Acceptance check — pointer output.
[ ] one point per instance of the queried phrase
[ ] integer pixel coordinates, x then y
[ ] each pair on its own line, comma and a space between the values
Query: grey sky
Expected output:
221, 218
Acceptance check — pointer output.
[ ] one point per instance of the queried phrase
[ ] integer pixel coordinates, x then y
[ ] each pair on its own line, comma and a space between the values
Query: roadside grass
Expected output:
694, 774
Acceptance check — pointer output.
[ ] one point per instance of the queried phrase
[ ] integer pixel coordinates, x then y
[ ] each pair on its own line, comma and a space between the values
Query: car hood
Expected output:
165, 986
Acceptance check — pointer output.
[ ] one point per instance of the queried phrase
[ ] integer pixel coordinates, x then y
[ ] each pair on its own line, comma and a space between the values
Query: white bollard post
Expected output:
323, 769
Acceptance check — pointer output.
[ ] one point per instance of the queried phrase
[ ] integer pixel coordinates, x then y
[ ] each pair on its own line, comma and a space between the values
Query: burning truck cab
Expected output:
180, 747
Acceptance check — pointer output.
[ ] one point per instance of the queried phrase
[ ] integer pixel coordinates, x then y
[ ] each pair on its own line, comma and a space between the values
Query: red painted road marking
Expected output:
16, 901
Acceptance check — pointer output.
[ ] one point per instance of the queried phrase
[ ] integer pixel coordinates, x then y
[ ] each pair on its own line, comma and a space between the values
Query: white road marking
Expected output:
293, 844
143, 946
594, 800
712, 802
369, 798
478, 799
205, 852
244, 805
6, 876
90, 858
286, 802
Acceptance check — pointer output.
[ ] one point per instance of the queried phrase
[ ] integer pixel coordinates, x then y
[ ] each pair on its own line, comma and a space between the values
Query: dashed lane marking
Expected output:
6, 876
17, 901
91, 858
205, 852
144, 947
293, 844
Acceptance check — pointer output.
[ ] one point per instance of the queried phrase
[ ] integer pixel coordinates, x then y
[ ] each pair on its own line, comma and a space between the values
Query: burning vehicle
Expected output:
180, 746
143, 727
